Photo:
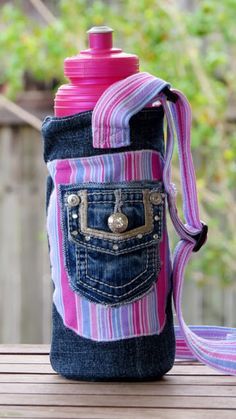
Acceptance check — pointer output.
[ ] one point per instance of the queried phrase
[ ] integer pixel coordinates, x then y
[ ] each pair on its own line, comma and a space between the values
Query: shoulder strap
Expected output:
215, 346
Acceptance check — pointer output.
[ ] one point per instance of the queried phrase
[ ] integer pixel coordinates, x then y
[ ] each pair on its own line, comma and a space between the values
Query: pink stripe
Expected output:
156, 169
63, 176
136, 318
129, 167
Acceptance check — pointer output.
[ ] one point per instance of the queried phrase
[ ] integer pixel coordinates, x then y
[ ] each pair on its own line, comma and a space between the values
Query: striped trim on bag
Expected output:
145, 316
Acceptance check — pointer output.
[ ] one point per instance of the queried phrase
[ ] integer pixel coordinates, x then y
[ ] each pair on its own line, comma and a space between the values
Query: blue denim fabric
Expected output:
135, 359
94, 255
142, 358
71, 136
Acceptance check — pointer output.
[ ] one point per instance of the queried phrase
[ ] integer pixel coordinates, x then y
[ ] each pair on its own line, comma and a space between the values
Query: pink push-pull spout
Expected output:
93, 71
100, 38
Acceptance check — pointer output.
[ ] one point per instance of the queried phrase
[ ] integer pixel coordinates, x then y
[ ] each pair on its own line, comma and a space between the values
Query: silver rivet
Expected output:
73, 200
87, 238
74, 215
155, 236
74, 233
139, 236
115, 247
156, 218
155, 198
118, 222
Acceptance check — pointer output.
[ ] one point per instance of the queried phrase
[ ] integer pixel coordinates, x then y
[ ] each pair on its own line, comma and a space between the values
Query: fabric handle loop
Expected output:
214, 346
111, 115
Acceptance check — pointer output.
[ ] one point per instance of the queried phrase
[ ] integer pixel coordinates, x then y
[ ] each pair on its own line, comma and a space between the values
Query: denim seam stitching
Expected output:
119, 286
156, 267
145, 183
123, 295
120, 252
128, 301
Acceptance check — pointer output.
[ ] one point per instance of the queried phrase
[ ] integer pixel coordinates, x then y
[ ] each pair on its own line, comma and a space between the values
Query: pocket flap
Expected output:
114, 218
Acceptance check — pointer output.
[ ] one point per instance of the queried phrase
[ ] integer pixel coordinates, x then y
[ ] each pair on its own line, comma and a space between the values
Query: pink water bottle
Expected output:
92, 71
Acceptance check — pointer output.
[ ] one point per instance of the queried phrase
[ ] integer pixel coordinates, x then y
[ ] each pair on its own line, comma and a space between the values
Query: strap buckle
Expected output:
200, 237
173, 97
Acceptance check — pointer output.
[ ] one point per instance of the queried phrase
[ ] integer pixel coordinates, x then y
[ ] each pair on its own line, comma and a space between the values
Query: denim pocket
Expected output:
111, 235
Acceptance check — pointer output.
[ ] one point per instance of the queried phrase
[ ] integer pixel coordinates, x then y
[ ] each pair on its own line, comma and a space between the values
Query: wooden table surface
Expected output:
29, 388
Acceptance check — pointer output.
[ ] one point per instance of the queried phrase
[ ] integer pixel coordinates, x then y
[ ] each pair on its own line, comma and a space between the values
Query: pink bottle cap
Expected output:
92, 71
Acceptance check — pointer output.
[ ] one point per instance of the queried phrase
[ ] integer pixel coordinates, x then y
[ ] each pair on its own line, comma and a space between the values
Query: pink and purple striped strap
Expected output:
215, 346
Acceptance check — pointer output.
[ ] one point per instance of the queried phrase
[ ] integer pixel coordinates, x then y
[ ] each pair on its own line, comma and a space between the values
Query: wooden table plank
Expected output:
24, 349
112, 413
26, 368
200, 380
191, 402
123, 389
24, 359
45, 368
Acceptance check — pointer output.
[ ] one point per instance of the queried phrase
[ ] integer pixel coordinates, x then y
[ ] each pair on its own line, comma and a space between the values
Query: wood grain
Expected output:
29, 388
112, 413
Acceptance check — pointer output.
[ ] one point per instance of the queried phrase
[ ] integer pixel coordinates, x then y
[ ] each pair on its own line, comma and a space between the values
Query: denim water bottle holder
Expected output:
106, 218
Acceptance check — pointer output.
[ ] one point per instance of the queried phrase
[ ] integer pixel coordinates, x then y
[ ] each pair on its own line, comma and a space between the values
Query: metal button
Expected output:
155, 236
118, 222
73, 200
155, 198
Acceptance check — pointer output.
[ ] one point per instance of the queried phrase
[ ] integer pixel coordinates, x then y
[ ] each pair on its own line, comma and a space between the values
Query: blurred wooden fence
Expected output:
25, 285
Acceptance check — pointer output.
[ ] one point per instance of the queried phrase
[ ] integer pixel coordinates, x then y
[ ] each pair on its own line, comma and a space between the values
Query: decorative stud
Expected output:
74, 215
155, 236
155, 198
74, 233
87, 238
73, 200
118, 222
156, 218
139, 236
115, 247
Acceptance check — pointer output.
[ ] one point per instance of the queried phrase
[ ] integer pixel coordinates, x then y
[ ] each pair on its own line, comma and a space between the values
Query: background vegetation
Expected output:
192, 44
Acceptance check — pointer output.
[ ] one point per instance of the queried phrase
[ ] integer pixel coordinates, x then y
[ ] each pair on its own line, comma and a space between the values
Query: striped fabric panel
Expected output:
111, 115
145, 316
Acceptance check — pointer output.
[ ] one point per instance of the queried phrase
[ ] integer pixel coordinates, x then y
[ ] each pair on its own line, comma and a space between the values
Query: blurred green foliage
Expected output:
193, 48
